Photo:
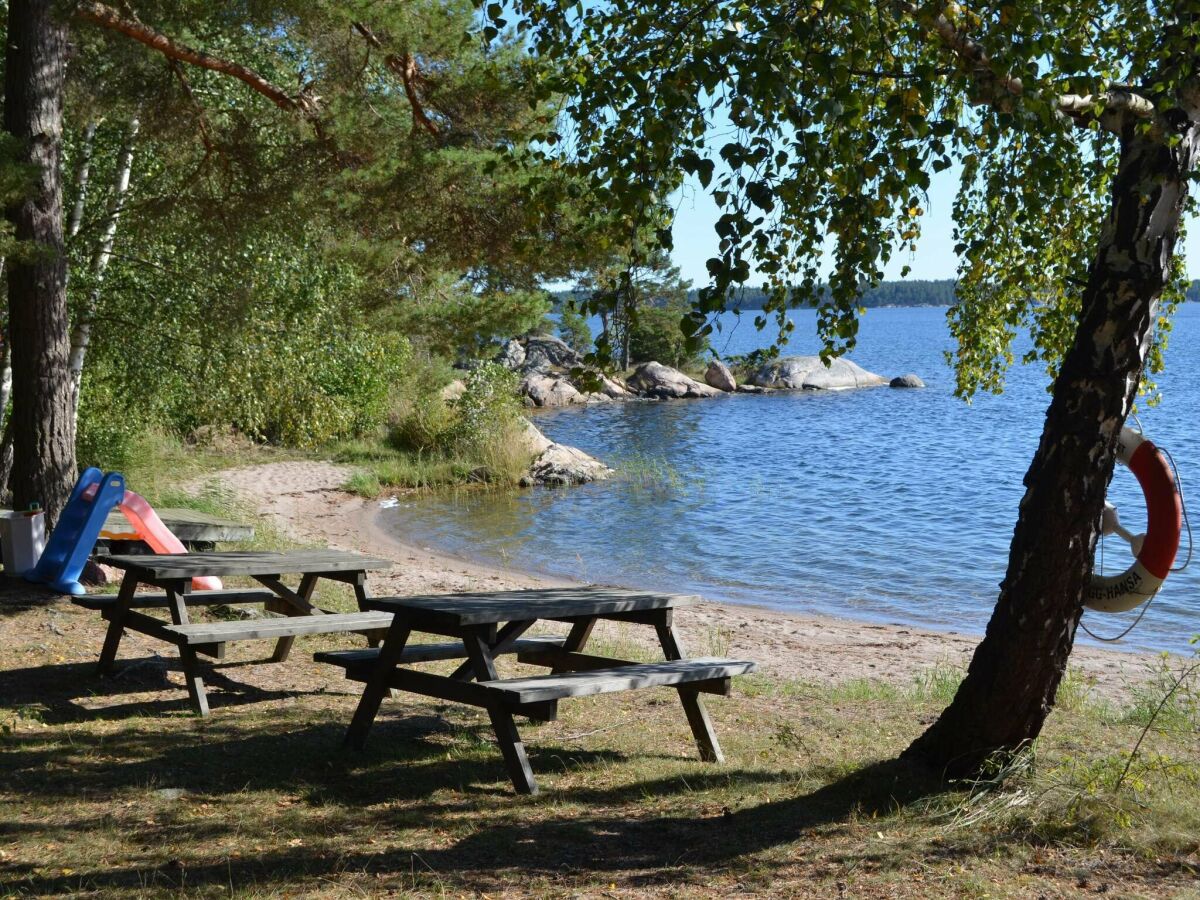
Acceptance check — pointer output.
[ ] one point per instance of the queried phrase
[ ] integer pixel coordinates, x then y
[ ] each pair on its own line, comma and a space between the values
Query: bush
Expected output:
656, 336
573, 329
110, 423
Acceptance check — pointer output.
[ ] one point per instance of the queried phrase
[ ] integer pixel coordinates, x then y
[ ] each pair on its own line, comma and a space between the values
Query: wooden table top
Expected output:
516, 606
161, 567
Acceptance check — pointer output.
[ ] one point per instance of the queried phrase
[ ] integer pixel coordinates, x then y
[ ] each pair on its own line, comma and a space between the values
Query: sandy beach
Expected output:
304, 500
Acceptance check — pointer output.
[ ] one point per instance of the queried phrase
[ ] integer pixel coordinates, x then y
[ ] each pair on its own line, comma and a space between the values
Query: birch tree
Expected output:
817, 124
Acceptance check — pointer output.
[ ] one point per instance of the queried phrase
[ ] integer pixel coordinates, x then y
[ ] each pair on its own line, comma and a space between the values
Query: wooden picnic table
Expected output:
486, 625
294, 612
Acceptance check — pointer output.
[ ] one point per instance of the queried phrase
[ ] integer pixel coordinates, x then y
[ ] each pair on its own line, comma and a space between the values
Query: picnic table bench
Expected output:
173, 574
474, 621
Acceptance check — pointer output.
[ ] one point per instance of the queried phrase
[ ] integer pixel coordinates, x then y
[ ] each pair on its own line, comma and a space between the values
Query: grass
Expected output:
111, 788
380, 468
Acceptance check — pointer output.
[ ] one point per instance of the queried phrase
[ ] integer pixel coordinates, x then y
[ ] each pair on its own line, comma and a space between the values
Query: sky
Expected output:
695, 240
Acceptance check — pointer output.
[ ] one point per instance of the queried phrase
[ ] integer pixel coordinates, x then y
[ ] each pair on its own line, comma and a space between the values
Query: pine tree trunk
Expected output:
43, 433
1014, 674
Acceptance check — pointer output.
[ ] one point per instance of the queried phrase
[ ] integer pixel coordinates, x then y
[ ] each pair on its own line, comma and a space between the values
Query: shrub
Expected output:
656, 335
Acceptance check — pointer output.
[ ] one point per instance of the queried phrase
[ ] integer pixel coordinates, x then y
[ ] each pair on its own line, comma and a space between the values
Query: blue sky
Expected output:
695, 240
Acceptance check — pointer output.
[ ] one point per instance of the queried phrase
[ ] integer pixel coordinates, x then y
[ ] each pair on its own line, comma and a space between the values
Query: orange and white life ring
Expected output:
1155, 550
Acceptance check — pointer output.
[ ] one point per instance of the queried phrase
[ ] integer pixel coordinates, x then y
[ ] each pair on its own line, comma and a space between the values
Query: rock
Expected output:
653, 379
907, 381
512, 355
536, 442
560, 465
543, 353
540, 389
96, 575
718, 375
810, 374
454, 389
750, 389
613, 389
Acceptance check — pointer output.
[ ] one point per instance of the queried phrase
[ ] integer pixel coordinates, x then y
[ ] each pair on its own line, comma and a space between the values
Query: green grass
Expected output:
119, 792
380, 468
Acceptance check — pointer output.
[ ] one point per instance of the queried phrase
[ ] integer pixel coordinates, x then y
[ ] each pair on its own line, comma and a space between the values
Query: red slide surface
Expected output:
157, 536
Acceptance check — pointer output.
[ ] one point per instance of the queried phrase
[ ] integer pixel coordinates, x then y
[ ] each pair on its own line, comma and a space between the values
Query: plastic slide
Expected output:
157, 536
79, 524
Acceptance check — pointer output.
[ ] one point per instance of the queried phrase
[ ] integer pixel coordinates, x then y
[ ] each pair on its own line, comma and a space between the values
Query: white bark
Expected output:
81, 181
82, 334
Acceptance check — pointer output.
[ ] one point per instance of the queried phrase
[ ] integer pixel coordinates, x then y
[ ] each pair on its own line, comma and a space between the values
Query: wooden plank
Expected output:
561, 660
162, 567
420, 653
450, 610
269, 629
619, 678
144, 624
186, 524
159, 601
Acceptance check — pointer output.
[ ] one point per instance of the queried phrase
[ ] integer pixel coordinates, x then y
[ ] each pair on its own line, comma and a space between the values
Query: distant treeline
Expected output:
906, 293
890, 293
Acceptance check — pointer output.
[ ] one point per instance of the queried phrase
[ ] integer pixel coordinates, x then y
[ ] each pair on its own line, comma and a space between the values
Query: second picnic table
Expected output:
173, 574
474, 621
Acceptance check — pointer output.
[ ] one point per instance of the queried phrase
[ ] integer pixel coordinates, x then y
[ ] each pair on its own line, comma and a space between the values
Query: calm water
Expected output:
881, 504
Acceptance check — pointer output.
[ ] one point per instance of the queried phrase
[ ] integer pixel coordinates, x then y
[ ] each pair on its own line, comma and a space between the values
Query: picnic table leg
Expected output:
361, 595
578, 636
116, 625
377, 685
693, 706
177, 602
507, 736
499, 643
283, 646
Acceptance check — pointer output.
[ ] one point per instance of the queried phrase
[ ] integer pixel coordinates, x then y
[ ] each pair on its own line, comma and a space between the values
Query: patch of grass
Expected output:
937, 684
118, 792
382, 468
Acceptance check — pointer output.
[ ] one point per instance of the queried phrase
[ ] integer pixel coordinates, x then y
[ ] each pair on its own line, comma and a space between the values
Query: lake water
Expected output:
880, 504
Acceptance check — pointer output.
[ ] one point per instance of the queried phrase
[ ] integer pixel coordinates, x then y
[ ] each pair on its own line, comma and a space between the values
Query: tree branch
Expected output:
404, 66
107, 17
1000, 89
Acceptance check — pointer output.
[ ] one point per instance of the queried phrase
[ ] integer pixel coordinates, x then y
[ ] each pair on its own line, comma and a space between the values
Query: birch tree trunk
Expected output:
81, 181
39, 326
1015, 672
82, 334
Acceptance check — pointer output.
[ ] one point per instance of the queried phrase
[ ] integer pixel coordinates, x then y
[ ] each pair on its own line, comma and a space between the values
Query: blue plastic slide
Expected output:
78, 527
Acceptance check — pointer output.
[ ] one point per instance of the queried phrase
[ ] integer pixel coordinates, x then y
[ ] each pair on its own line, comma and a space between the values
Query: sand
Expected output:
303, 499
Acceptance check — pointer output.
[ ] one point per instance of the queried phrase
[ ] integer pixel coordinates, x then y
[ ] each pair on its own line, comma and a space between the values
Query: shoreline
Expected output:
791, 645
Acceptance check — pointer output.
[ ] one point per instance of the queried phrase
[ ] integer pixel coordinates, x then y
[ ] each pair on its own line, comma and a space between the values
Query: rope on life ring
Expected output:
1155, 550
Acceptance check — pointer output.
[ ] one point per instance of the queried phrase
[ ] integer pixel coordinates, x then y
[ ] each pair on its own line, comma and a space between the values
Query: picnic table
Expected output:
486, 625
293, 612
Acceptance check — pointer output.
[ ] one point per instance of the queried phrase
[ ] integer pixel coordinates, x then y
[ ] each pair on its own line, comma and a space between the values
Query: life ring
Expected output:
1155, 550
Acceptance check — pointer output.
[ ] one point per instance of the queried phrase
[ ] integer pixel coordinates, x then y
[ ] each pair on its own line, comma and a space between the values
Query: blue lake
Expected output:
880, 504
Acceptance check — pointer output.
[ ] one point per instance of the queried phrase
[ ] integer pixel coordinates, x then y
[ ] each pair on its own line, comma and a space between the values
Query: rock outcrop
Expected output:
558, 464
546, 353
540, 389
810, 374
655, 380
907, 381
718, 375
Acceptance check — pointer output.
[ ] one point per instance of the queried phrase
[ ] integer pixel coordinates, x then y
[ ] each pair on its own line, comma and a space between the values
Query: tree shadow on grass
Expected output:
407, 779
74, 692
